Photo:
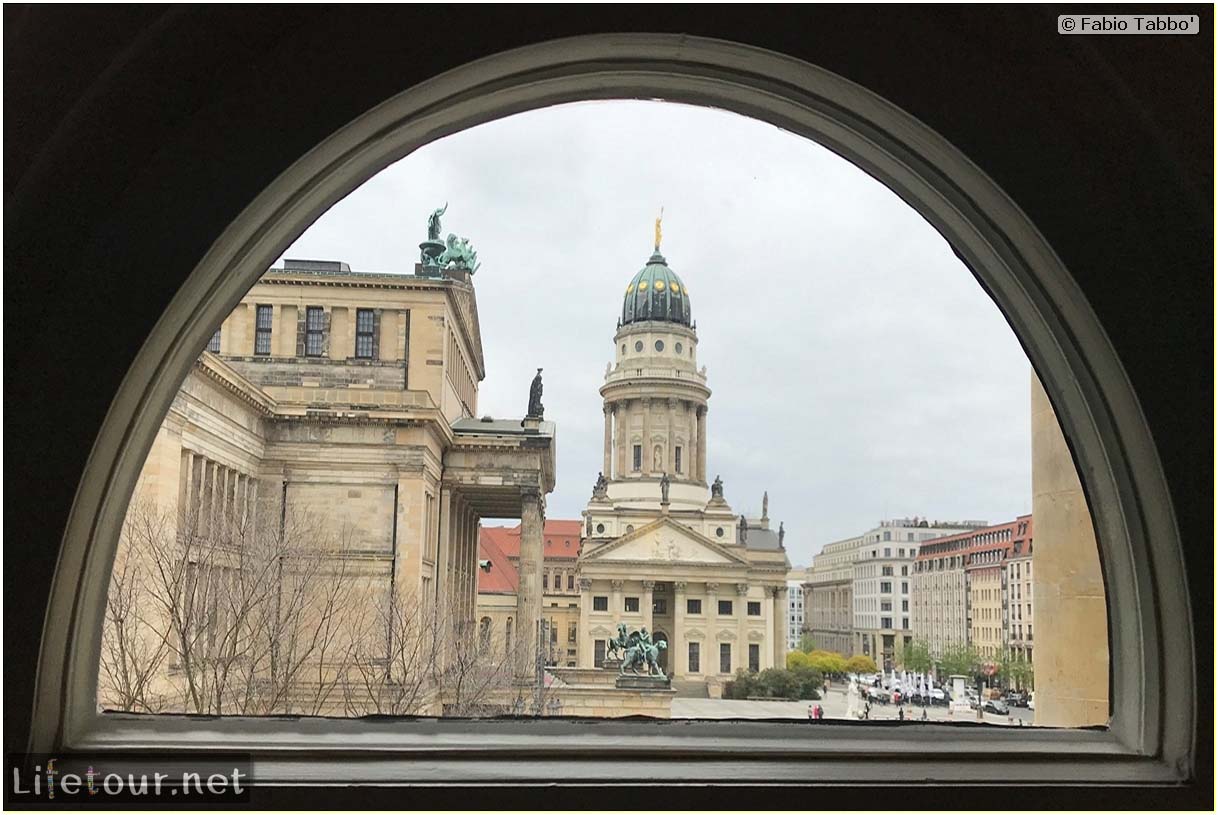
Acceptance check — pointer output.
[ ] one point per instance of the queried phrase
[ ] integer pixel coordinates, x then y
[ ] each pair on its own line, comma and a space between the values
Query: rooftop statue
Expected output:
433, 223
782, 533
601, 488
717, 488
765, 505
535, 407
664, 482
659, 235
459, 254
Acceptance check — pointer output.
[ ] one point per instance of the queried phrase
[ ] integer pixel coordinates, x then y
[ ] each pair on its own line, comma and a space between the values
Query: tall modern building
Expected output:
663, 548
858, 589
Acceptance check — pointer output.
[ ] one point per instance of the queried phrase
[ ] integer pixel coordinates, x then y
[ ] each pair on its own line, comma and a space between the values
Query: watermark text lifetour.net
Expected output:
127, 777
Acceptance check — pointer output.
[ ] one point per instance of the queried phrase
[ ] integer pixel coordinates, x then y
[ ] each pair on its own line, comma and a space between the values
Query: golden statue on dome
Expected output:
658, 234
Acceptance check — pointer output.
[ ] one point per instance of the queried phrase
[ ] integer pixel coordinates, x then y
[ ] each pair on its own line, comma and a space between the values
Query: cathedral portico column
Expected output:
767, 613
615, 602
695, 439
712, 616
609, 410
678, 651
621, 439
702, 443
778, 632
649, 587
528, 598
742, 623
585, 609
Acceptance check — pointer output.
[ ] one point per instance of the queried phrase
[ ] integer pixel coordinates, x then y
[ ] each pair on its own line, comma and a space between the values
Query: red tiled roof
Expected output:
503, 577
928, 550
560, 539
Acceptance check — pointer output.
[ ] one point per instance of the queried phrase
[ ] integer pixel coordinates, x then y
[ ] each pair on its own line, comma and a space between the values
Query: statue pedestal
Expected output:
643, 682
612, 664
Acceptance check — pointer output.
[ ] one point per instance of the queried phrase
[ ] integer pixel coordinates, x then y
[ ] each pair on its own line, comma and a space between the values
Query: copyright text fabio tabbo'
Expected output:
1128, 24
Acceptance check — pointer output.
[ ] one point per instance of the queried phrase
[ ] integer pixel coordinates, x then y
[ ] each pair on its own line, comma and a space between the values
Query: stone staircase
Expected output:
690, 689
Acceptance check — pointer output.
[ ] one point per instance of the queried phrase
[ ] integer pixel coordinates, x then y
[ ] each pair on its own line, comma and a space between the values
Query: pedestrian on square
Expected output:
901, 714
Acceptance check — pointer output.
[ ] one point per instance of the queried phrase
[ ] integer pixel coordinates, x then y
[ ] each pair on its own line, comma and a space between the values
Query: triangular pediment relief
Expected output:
600, 629
666, 541
695, 634
756, 636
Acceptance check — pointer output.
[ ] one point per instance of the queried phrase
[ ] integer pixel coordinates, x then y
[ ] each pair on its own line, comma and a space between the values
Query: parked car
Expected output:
996, 706
938, 696
1016, 699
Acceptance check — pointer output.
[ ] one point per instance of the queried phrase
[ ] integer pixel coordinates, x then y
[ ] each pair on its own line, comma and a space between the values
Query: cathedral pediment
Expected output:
666, 541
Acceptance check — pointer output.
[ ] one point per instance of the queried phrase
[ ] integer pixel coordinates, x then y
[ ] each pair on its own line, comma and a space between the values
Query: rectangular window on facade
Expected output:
364, 329
904, 605
262, 330
725, 657
755, 608
632, 604
638, 457
904, 622
693, 606
213, 344
754, 657
695, 661
570, 582
598, 653
885, 587
677, 459
545, 580
571, 632
659, 606
904, 587
885, 605
725, 608
314, 330
885, 622
600, 603
886, 571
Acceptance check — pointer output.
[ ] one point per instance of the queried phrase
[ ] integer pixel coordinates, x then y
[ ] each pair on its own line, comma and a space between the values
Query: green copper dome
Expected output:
656, 293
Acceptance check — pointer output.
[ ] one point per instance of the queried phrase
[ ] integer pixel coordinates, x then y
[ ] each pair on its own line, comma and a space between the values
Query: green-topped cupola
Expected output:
656, 293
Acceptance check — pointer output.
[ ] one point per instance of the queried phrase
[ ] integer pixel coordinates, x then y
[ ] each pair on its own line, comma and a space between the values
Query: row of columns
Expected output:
212, 494
617, 448
457, 558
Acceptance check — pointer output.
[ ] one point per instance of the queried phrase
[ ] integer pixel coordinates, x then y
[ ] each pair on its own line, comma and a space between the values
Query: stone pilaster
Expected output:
615, 601
695, 438
1071, 650
670, 455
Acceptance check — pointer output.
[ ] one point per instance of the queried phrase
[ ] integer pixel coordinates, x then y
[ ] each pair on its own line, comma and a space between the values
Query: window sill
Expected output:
318, 750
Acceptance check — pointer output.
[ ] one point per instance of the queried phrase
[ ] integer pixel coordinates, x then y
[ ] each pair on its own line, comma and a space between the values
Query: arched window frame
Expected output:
1153, 701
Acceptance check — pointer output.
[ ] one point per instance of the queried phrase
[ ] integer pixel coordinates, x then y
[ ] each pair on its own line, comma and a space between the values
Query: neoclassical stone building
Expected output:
353, 396
662, 547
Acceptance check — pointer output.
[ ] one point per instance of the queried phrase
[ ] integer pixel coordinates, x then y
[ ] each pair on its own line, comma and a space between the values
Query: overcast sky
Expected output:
858, 370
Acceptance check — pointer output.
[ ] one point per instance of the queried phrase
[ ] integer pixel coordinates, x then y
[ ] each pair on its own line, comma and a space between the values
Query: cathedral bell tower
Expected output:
655, 396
